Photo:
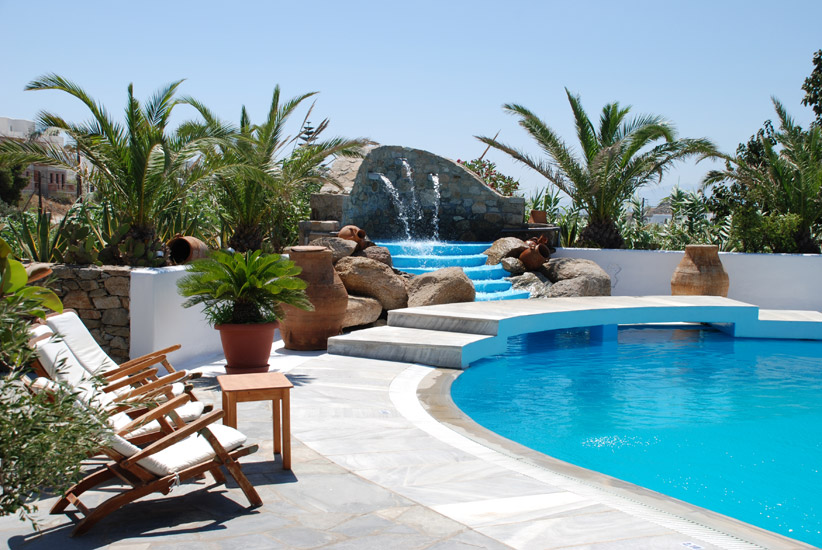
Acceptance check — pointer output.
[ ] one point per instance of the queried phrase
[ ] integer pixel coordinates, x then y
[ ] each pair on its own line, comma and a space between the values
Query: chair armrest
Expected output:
141, 376
174, 437
132, 367
164, 351
165, 381
155, 413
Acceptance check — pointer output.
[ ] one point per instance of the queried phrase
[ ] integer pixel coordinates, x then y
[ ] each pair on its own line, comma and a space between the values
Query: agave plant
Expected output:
139, 167
254, 171
617, 159
38, 239
240, 288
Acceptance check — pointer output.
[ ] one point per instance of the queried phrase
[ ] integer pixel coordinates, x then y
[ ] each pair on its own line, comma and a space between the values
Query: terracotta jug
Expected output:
353, 233
700, 273
310, 330
186, 249
536, 254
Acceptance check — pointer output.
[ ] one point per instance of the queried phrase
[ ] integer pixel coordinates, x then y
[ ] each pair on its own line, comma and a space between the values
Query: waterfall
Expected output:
414, 208
435, 181
402, 215
408, 202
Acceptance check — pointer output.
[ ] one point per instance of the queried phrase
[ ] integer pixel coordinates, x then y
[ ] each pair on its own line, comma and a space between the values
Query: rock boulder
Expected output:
504, 248
577, 277
340, 248
536, 283
367, 277
443, 286
379, 253
513, 266
361, 311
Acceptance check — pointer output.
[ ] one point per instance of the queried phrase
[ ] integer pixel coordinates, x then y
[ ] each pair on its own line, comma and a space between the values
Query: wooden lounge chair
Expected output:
55, 361
93, 358
186, 453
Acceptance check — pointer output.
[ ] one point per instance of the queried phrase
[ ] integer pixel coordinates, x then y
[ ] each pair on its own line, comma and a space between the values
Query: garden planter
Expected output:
538, 216
700, 273
310, 330
247, 346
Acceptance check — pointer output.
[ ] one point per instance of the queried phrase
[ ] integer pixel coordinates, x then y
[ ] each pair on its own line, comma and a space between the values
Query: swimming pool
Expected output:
732, 425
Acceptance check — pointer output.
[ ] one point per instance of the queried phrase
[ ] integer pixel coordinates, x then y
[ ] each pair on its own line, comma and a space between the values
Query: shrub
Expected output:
493, 178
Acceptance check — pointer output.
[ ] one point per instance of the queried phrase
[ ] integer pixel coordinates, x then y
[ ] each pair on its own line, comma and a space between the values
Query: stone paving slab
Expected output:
319, 504
373, 469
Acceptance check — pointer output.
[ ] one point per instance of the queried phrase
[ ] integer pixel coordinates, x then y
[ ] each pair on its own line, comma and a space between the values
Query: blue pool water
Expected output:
424, 256
732, 425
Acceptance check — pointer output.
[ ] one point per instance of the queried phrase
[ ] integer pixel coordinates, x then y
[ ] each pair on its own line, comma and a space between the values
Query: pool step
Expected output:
477, 273
435, 249
401, 261
413, 345
424, 257
509, 294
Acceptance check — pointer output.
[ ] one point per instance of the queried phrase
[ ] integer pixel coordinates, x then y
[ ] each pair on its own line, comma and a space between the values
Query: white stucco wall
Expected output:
159, 320
770, 281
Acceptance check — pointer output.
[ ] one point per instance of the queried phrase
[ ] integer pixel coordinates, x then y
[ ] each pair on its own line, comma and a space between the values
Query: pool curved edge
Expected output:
434, 395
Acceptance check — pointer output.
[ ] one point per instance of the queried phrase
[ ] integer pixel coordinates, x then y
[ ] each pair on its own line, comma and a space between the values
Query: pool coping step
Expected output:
454, 335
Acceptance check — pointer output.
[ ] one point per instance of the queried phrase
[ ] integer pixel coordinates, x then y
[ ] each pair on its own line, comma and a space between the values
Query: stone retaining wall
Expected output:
399, 190
100, 295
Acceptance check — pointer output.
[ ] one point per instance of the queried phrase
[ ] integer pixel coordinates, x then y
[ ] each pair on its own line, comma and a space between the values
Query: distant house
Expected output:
51, 181
660, 214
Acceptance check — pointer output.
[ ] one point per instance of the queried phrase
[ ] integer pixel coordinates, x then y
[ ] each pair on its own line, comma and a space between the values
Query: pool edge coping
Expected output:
434, 395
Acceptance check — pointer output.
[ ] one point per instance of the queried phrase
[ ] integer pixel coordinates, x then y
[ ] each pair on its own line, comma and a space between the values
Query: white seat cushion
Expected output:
190, 411
189, 452
81, 343
121, 420
60, 363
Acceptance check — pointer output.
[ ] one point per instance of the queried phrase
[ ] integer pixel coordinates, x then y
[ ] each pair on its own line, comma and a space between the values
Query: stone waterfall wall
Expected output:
100, 295
433, 197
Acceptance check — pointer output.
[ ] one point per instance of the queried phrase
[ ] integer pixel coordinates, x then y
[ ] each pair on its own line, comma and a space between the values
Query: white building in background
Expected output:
51, 181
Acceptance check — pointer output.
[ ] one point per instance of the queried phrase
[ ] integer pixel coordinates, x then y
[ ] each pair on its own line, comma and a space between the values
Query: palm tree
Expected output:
140, 167
254, 173
617, 160
784, 181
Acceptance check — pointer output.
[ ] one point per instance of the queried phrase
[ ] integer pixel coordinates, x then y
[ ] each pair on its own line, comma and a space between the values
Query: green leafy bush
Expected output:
249, 287
43, 437
493, 178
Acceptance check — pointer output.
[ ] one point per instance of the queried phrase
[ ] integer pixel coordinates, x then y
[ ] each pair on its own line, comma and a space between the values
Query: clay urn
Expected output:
310, 330
700, 272
535, 255
353, 233
185, 249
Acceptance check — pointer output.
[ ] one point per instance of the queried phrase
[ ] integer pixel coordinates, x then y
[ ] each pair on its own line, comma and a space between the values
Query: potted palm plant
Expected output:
242, 295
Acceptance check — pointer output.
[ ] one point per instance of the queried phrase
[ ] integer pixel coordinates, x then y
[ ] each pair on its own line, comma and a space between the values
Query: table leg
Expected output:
229, 409
275, 416
286, 429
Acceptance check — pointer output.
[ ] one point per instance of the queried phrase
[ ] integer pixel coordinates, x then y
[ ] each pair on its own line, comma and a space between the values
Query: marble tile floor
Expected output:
373, 469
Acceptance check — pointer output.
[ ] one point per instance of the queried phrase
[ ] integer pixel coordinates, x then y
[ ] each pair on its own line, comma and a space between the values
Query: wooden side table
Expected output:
240, 388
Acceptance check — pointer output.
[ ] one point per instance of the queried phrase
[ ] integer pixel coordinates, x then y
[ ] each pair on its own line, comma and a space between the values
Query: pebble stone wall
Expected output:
100, 295
429, 188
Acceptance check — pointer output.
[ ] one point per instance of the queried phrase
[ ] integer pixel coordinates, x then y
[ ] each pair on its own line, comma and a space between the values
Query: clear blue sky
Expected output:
429, 75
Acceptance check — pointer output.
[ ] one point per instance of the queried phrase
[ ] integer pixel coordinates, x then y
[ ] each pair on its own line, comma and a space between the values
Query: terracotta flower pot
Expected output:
247, 347
186, 249
538, 216
700, 273
310, 330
